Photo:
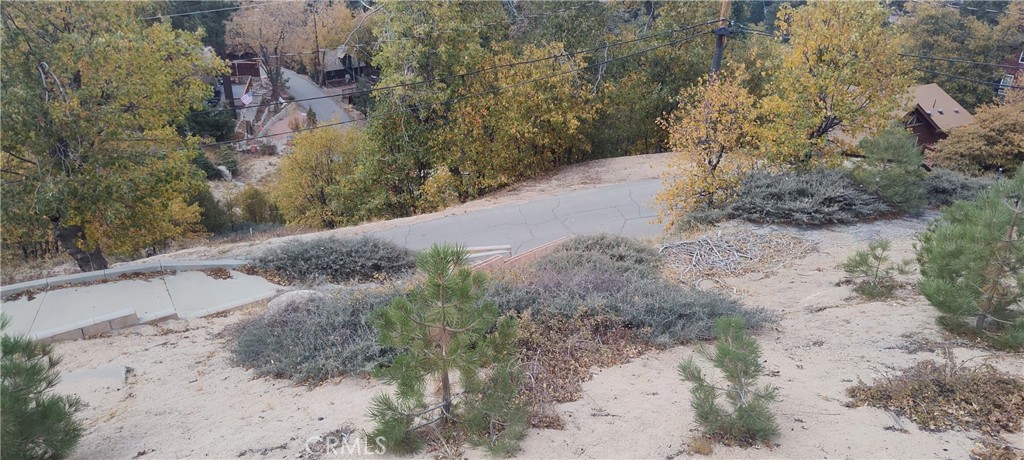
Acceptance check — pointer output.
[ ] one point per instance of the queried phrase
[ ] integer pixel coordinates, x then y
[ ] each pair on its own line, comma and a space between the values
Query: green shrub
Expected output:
618, 249
892, 169
228, 158
267, 149
818, 197
626, 284
875, 276
36, 423
945, 187
212, 215
338, 260
206, 166
219, 125
442, 327
972, 265
738, 357
255, 207
326, 339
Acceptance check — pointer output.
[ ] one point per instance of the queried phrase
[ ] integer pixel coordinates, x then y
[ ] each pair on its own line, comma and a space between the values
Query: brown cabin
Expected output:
934, 114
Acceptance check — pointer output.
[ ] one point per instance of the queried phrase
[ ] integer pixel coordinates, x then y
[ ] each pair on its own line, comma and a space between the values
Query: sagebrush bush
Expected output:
945, 187
618, 249
626, 284
338, 260
329, 338
817, 197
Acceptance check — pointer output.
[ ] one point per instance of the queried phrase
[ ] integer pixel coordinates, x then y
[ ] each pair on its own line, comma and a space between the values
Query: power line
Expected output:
962, 61
190, 13
959, 77
487, 69
469, 96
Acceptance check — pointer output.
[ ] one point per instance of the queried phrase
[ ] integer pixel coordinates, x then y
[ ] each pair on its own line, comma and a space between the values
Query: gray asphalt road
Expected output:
625, 209
326, 109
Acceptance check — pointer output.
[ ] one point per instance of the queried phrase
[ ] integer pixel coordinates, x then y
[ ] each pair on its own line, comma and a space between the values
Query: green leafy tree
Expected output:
994, 142
444, 327
254, 206
89, 147
872, 269
936, 30
36, 423
892, 169
219, 125
212, 23
972, 265
748, 418
311, 181
494, 139
840, 71
421, 42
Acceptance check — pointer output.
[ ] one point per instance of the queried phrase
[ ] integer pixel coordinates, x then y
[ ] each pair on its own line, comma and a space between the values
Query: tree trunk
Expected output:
71, 239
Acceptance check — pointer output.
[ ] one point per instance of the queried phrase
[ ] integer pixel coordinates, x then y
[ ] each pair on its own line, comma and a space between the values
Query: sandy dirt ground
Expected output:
183, 399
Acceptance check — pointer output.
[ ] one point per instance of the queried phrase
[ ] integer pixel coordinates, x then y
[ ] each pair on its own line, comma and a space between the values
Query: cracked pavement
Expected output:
623, 209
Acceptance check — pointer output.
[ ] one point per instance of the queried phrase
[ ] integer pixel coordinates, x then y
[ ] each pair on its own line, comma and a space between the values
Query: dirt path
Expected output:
184, 399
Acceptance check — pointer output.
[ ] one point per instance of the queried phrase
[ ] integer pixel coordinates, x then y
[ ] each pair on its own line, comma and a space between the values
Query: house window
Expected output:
1005, 84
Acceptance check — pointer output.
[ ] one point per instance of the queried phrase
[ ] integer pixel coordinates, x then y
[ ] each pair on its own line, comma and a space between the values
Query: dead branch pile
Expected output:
732, 254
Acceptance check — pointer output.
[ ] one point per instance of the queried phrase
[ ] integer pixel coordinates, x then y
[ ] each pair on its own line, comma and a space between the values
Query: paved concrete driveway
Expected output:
326, 109
624, 209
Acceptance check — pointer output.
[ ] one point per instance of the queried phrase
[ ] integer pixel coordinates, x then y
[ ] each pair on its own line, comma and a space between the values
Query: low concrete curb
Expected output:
81, 278
497, 261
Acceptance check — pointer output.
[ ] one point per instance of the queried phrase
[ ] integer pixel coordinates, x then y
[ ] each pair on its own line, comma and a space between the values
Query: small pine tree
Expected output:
738, 357
444, 327
877, 276
36, 424
972, 265
310, 118
892, 169
228, 158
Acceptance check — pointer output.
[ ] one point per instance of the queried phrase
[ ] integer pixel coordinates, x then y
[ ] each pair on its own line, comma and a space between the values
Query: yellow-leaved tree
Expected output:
500, 136
841, 71
92, 97
312, 179
711, 135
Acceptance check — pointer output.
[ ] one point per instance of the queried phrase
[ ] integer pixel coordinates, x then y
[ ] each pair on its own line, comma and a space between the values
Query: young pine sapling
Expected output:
747, 419
875, 275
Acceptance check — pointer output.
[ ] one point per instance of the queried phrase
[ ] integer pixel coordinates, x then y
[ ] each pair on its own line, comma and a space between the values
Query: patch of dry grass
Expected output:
943, 396
557, 353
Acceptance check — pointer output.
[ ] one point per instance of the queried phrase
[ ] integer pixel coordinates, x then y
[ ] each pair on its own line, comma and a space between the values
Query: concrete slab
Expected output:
22, 313
194, 294
81, 306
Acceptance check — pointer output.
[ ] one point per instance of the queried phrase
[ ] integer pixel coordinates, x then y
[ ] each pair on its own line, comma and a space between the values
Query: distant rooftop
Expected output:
943, 111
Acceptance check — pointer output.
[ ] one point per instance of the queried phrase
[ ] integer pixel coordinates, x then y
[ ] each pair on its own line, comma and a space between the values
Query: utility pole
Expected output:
316, 42
722, 31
